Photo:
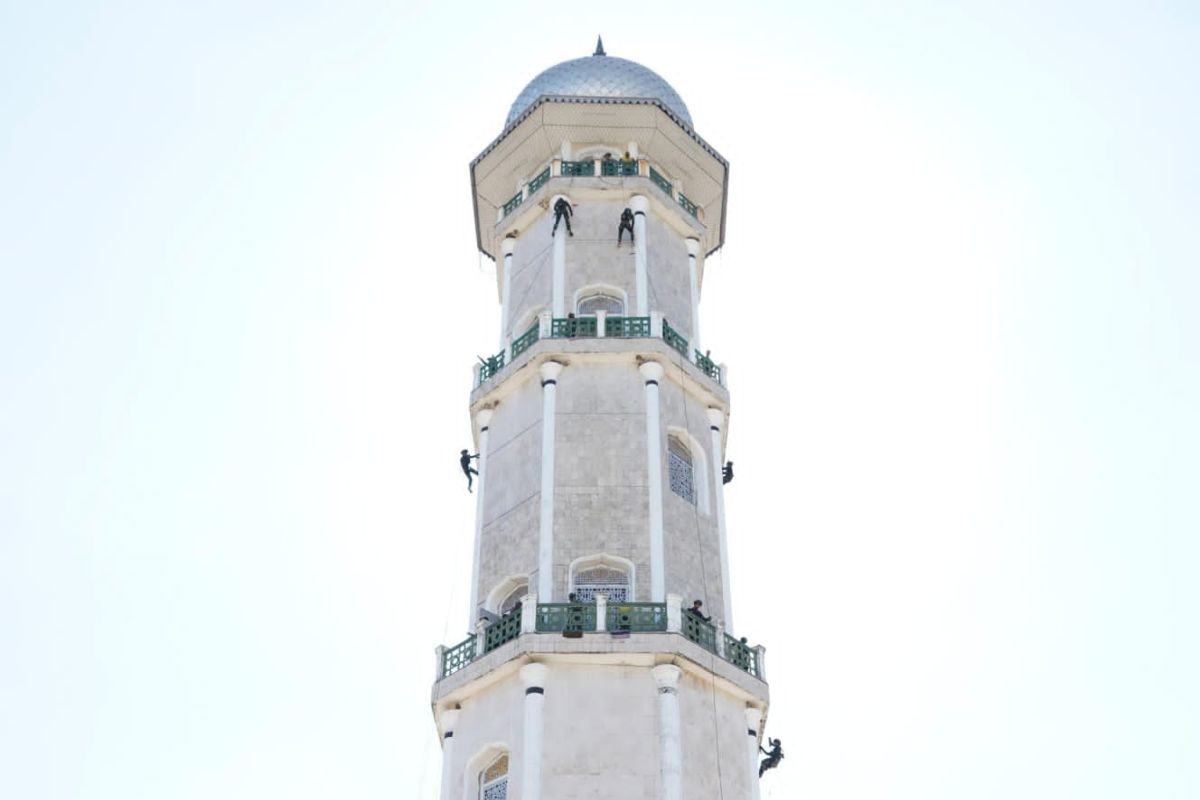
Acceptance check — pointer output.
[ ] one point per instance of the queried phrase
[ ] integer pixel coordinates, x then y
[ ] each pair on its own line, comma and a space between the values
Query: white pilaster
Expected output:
482, 418
558, 279
674, 613
693, 249
601, 316
533, 676
753, 720
507, 245
640, 206
549, 371
716, 417
601, 613
529, 613
449, 721
652, 373
670, 747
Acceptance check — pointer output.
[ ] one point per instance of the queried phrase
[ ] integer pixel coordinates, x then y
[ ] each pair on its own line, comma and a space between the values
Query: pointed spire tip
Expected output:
599, 47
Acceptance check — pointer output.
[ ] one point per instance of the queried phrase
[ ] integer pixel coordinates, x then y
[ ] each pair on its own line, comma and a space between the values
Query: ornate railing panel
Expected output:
490, 366
636, 617
610, 168
708, 366
699, 631
502, 630
572, 327
525, 341
661, 181
626, 327
513, 203
741, 655
672, 337
539, 181
565, 617
457, 657
578, 168
688, 205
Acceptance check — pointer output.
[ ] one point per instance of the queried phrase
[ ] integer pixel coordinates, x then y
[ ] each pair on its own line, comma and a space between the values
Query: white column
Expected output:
533, 676
601, 613
545, 588
449, 720
601, 316
640, 205
693, 249
670, 748
507, 246
753, 720
558, 279
482, 418
652, 372
715, 418
529, 613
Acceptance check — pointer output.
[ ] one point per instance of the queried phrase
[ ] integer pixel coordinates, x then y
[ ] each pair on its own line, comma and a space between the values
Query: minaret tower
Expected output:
600, 428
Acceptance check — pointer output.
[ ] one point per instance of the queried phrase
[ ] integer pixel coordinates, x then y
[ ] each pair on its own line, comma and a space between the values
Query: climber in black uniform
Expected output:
562, 211
464, 461
774, 756
626, 225
727, 473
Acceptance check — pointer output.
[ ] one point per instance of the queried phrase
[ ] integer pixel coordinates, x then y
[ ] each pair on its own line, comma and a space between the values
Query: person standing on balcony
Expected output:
626, 225
464, 461
696, 612
562, 212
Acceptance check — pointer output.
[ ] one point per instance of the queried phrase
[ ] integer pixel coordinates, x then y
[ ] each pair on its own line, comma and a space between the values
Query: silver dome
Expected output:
599, 75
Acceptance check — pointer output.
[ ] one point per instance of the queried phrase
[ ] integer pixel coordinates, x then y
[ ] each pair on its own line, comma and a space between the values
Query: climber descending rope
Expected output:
773, 756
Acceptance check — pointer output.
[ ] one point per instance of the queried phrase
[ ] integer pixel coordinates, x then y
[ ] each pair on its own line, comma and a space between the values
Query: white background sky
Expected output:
240, 301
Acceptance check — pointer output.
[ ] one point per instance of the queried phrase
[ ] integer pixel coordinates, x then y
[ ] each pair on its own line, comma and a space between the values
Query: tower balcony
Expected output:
620, 632
561, 175
556, 332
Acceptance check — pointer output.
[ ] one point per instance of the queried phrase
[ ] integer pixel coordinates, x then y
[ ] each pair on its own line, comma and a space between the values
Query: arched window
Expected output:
493, 780
679, 467
588, 306
605, 579
513, 597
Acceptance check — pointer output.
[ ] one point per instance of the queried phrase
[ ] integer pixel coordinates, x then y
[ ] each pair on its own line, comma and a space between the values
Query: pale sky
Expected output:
240, 301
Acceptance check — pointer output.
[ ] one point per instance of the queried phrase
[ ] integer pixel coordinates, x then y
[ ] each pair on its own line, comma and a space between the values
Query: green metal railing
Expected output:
490, 367
688, 205
565, 617
635, 617
661, 181
570, 328
578, 168
525, 341
457, 657
626, 327
701, 632
672, 337
707, 366
502, 630
539, 181
609, 168
513, 203
741, 655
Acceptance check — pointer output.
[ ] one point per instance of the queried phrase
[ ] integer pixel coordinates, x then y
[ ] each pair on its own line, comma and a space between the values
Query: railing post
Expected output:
601, 613
475, 374
759, 656
596, 168
656, 320
600, 317
439, 655
720, 638
556, 167
724, 374
643, 167
545, 323
674, 613
529, 613
480, 637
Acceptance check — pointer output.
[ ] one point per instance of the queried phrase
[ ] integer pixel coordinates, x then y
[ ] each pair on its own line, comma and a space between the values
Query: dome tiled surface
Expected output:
599, 76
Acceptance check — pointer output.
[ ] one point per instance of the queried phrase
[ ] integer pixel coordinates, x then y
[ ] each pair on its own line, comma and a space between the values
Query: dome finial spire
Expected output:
599, 47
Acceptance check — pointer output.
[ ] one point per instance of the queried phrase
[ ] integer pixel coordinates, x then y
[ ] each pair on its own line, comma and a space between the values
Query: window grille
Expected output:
608, 581
588, 306
493, 781
679, 466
